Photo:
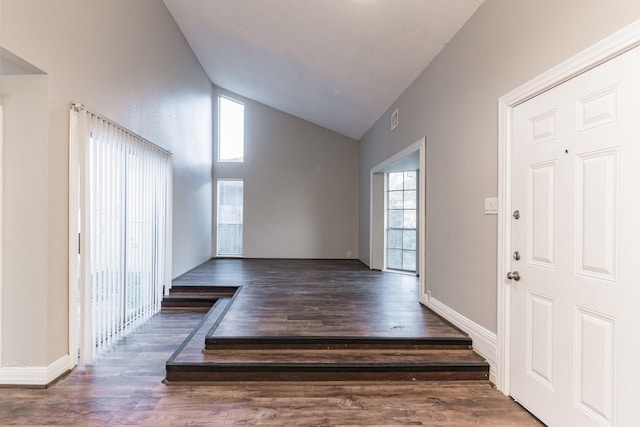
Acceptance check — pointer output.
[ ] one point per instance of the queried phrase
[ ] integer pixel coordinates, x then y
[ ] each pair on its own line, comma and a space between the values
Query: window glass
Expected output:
394, 259
402, 220
395, 181
231, 130
410, 180
230, 217
409, 239
409, 199
394, 239
395, 218
396, 199
409, 260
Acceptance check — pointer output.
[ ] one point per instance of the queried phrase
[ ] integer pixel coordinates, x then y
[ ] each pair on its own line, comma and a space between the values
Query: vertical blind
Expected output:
124, 228
230, 212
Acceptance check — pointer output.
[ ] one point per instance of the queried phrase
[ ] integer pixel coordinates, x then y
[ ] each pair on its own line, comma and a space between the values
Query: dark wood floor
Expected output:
320, 320
320, 298
124, 387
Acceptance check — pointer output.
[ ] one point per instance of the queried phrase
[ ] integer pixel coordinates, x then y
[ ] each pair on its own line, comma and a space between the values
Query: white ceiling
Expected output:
337, 63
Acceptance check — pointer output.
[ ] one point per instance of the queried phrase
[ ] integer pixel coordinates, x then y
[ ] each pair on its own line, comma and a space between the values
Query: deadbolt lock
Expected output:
516, 255
516, 214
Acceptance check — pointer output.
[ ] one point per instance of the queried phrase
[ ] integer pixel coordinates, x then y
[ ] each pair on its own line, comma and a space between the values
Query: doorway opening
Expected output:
397, 214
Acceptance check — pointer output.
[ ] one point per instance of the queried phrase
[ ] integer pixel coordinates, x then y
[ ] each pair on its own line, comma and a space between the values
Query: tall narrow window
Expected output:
230, 130
230, 205
401, 220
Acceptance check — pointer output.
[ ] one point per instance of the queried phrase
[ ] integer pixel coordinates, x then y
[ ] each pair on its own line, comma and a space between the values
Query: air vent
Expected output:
394, 119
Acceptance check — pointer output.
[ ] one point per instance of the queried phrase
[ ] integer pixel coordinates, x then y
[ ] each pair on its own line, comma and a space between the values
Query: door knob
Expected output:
513, 276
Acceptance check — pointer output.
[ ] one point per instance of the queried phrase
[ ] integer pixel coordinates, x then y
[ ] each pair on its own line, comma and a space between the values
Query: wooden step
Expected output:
213, 342
203, 290
330, 365
191, 302
195, 297
231, 359
341, 356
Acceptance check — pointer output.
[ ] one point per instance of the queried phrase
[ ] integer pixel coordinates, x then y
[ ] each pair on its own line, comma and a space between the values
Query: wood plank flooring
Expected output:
346, 322
320, 298
123, 387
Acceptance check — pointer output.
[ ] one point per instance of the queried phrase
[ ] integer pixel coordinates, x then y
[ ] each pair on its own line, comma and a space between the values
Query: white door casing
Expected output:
378, 226
419, 147
569, 322
1, 237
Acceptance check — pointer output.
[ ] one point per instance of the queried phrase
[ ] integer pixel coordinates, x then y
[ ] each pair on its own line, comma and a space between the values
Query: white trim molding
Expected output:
41, 376
74, 230
612, 46
421, 147
1, 210
484, 341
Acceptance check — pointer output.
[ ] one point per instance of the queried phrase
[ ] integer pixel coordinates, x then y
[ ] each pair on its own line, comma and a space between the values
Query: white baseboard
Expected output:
35, 375
485, 342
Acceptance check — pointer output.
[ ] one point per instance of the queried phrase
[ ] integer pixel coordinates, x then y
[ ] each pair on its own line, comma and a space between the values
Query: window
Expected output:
401, 220
230, 205
231, 130
124, 225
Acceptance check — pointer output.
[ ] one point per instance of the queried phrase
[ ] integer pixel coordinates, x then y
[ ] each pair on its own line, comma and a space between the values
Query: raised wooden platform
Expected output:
195, 298
295, 320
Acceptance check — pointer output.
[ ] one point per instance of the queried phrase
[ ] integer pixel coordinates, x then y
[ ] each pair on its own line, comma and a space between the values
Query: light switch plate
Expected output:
491, 206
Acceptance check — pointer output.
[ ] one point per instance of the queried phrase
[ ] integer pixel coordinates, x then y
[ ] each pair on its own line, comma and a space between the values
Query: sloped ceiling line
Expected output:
336, 63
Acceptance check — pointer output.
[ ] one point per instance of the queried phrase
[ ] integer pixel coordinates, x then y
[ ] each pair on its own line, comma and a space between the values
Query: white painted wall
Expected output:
25, 99
128, 61
300, 186
454, 103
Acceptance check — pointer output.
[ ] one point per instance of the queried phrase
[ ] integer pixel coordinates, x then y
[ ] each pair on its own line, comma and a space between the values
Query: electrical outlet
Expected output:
348, 254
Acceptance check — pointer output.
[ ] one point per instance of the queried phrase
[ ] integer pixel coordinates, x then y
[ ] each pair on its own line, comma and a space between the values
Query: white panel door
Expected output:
576, 308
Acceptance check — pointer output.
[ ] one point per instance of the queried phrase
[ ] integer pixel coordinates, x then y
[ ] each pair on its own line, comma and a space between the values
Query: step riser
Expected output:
217, 343
326, 376
199, 294
186, 308
203, 290
186, 305
345, 346
199, 303
333, 358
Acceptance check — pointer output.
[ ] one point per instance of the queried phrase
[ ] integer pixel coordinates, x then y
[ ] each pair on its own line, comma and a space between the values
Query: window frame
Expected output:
388, 226
218, 253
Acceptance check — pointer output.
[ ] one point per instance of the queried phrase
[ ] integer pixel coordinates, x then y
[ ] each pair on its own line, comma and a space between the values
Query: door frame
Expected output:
1, 210
75, 197
421, 147
612, 46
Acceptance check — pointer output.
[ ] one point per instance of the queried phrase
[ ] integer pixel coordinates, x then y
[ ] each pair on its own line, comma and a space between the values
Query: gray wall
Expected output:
25, 114
454, 104
128, 61
300, 184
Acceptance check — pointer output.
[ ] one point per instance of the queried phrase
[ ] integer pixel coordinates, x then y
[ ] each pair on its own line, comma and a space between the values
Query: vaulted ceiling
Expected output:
337, 63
